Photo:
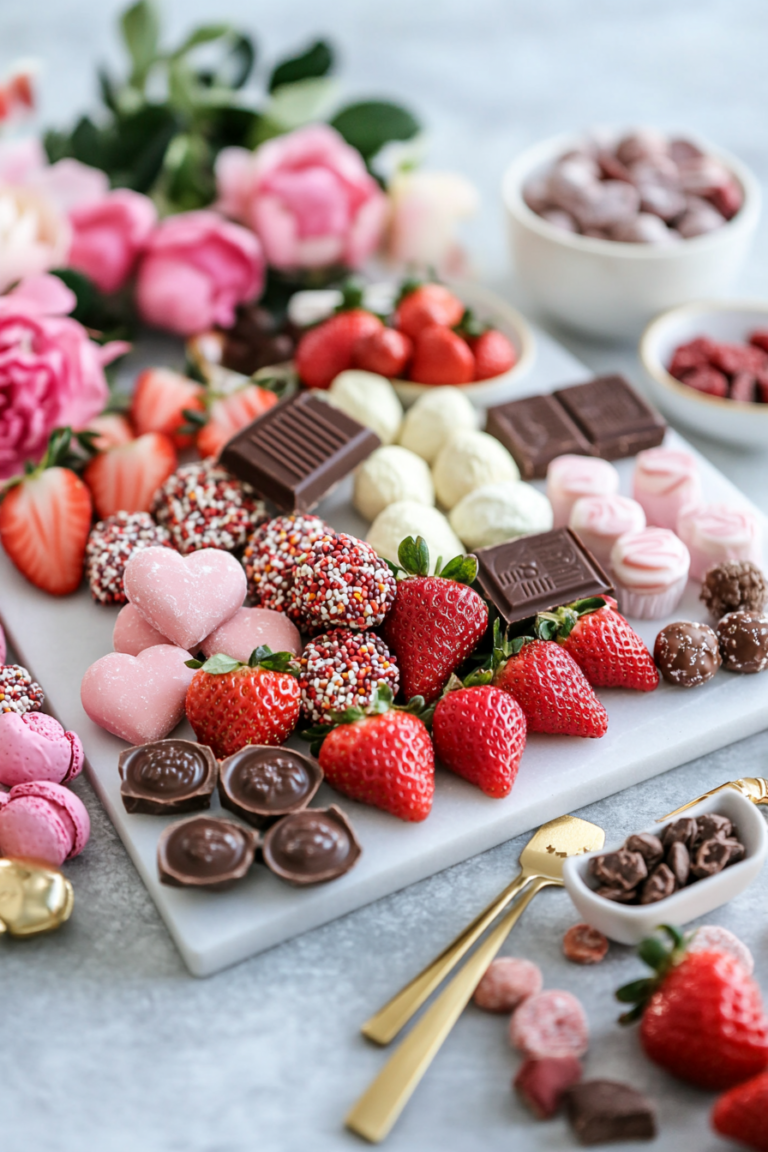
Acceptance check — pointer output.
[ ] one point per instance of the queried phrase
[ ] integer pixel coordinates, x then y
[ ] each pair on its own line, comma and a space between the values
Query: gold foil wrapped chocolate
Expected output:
33, 898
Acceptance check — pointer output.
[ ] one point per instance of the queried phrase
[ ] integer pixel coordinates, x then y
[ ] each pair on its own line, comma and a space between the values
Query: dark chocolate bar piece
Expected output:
536, 573
616, 421
605, 1112
297, 451
535, 430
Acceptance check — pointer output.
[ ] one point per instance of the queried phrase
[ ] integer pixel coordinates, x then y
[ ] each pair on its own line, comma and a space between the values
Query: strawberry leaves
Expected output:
383, 701
560, 622
413, 557
262, 657
659, 956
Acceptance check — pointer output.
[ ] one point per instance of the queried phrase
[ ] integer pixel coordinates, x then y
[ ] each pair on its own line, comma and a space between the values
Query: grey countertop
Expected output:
108, 1044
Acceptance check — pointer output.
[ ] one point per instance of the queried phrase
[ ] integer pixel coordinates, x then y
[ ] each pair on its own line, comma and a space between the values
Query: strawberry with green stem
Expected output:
328, 349
479, 733
604, 645
493, 352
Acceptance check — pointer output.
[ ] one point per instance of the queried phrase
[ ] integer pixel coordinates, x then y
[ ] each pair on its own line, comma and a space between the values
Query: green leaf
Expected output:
632, 1016
591, 604
140, 26
84, 289
653, 953
259, 654
316, 61
292, 105
414, 556
462, 569
204, 34
193, 663
478, 678
676, 936
636, 991
107, 89
371, 124
220, 664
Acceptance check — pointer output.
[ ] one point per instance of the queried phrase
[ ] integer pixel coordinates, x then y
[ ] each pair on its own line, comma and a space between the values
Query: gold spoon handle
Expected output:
692, 803
378, 1108
388, 1021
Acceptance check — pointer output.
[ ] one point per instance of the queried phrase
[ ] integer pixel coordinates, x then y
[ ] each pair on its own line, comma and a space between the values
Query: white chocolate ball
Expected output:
501, 511
407, 518
434, 418
468, 461
369, 398
390, 474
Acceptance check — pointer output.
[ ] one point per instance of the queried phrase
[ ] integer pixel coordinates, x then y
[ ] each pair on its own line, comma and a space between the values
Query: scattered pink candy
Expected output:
132, 634
36, 747
43, 821
507, 982
250, 628
138, 698
550, 1024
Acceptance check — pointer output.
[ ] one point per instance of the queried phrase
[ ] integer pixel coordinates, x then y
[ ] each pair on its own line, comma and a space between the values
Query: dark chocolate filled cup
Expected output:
263, 784
311, 846
205, 852
167, 776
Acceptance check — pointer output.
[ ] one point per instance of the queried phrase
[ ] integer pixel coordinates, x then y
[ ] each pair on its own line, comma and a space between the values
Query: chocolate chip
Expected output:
618, 895
712, 826
660, 884
649, 847
620, 869
684, 829
679, 862
711, 857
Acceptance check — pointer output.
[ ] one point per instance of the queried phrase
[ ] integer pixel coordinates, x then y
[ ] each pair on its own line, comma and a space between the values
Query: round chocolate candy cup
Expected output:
205, 852
311, 846
263, 783
167, 776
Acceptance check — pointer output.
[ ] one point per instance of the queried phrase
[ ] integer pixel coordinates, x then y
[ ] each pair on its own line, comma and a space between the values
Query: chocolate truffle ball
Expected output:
687, 654
734, 586
743, 640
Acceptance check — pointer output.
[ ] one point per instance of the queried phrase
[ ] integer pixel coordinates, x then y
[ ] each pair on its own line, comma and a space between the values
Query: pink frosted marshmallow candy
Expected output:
650, 571
665, 481
132, 633
43, 821
138, 698
185, 597
713, 533
36, 747
507, 982
552, 1023
571, 477
598, 521
251, 628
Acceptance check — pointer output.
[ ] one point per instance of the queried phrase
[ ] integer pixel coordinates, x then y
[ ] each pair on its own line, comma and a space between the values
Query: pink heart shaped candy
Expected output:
132, 633
185, 597
250, 628
138, 698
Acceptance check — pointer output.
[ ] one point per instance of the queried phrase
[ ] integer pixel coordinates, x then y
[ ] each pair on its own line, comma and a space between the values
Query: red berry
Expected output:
479, 733
553, 692
111, 429
493, 354
159, 401
229, 414
243, 706
385, 351
707, 380
733, 358
427, 305
610, 653
759, 339
326, 350
742, 1113
125, 478
441, 357
694, 354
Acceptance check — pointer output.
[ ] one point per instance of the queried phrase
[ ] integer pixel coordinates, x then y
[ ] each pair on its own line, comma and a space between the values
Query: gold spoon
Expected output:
33, 898
542, 864
755, 788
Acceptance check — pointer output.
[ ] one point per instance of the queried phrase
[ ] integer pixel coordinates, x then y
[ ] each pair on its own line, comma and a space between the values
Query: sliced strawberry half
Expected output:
125, 478
160, 403
229, 414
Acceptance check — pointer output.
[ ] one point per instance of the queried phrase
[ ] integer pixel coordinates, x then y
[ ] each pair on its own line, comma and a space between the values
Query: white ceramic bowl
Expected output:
611, 289
630, 923
729, 420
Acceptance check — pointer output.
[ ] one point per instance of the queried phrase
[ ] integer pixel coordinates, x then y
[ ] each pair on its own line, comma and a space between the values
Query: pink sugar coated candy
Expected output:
713, 938
138, 698
550, 1023
507, 982
541, 1083
571, 477
665, 481
202, 506
251, 628
270, 559
341, 582
132, 633
344, 669
185, 597
714, 533
598, 521
4, 797
36, 747
41, 820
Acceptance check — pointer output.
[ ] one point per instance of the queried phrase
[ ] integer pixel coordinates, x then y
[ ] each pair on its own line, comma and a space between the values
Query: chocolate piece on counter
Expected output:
649, 846
297, 451
541, 1083
743, 640
262, 783
713, 826
167, 776
679, 862
685, 829
604, 1112
205, 852
622, 869
734, 586
613, 417
687, 654
618, 895
536, 573
660, 884
534, 431
311, 846
710, 858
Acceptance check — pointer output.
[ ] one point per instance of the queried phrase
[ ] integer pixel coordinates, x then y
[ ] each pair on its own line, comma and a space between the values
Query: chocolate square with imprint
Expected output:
614, 418
535, 430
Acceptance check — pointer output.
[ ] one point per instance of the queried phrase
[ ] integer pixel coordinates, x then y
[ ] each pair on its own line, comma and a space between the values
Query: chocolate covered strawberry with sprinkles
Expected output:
341, 582
18, 691
344, 669
270, 558
202, 506
110, 546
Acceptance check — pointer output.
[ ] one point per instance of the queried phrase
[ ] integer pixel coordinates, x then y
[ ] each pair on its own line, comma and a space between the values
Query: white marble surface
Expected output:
108, 1044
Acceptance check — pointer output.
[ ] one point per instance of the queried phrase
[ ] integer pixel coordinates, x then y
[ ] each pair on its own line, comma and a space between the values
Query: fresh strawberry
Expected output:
606, 648
425, 305
701, 1015
159, 403
125, 478
549, 686
45, 518
435, 621
227, 414
386, 351
109, 429
382, 757
493, 354
325, 351
479, 733
230, 704
742, 1113
441, 357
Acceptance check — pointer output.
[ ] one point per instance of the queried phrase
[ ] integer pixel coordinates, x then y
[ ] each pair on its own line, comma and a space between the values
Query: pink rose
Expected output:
426, 210
195, 270
307, 196
108, 236
51, 374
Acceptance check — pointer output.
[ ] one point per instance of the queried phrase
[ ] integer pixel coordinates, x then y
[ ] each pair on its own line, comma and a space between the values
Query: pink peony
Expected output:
195, 270
109, 234
307, 196
426, 210
51, 374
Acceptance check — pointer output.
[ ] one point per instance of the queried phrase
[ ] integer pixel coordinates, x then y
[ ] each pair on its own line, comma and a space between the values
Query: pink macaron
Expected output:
598, 521
43, 821
34, 746
132, 633
571, 477
714, 533
251, 628
665, 481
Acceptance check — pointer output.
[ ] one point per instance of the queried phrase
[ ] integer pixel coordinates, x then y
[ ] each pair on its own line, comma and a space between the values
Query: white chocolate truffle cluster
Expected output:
469, 460
409, 518
370, 399
500, 511
389, 475
434, 418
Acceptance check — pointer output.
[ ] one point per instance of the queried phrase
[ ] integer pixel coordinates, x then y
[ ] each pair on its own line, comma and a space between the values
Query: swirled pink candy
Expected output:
717, 532
650, 560
600, 520
665, 482
570, 477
